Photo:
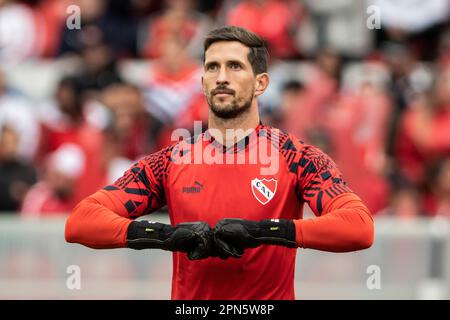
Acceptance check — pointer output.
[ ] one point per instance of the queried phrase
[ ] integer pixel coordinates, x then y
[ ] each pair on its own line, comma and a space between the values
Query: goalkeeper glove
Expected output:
195, 238
233, 236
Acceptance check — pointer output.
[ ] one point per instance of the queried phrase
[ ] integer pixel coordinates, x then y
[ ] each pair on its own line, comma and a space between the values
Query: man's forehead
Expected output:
226, 50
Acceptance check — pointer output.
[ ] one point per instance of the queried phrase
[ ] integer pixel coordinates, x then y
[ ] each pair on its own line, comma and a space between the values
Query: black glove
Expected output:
233, 236
195, 238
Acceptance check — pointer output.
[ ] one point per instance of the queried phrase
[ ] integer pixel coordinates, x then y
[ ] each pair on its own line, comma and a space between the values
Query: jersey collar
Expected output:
238, 146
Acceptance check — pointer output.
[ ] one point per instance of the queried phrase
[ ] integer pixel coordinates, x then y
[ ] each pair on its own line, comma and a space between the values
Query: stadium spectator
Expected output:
409, 77
443, 59
50, 15
64, 121
424, 131
16, 175
437, 199
321, 91
417, 23
276, 21
339, 25
291, 93
99, 68
171, 89
209, 7
55, 192
17, 111
357, 124
18, 39
129, 132
99, 23
178, 19
409, 80
404, 202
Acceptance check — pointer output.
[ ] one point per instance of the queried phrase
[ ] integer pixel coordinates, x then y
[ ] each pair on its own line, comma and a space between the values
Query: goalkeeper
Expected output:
234, 231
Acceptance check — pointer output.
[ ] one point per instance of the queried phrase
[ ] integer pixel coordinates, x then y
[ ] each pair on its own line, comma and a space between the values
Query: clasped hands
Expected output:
229, 238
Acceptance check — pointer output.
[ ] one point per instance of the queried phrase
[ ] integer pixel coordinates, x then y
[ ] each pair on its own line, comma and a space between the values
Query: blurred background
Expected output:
88, 87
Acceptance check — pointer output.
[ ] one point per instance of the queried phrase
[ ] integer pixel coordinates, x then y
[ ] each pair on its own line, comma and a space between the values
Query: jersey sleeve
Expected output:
319, 180
140, 190
347, 226
101, 220
343, 223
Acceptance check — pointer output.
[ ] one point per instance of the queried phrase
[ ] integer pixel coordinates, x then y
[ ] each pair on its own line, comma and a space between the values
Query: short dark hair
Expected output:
258, 55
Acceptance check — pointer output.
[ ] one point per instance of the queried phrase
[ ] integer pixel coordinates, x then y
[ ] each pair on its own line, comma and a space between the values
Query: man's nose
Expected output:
222, 77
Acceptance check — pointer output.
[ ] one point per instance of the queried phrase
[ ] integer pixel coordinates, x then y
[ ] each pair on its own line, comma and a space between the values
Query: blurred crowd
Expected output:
377, 100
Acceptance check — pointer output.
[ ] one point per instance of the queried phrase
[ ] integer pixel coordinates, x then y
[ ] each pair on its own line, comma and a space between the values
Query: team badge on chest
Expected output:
264, 189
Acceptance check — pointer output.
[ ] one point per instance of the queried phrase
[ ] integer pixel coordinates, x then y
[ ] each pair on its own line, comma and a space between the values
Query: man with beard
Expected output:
234, 226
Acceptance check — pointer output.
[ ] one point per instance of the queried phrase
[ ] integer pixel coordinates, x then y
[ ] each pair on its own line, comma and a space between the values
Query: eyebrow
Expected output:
236, 61
210, 63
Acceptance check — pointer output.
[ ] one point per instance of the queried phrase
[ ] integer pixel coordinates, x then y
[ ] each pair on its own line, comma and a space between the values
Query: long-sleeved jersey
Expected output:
269, 174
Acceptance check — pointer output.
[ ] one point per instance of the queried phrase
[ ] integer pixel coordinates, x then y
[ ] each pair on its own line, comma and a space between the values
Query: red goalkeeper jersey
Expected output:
201, 180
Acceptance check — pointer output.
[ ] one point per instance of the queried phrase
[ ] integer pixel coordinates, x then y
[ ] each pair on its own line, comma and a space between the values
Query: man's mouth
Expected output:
222, 93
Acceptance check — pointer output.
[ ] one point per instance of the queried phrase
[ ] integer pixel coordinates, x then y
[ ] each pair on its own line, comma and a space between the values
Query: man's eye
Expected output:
235, 66
211, 67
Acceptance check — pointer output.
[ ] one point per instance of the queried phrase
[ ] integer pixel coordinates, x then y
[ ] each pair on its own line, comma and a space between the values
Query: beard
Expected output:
231, 110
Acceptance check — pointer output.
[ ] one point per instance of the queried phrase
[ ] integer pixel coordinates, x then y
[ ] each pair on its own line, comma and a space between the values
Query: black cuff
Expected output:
278, 232
147, 235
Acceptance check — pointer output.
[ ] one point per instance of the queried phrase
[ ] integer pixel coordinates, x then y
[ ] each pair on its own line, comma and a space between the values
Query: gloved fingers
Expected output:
226, 250
197, 254
182, 240
229, 239
235, 234
203, 246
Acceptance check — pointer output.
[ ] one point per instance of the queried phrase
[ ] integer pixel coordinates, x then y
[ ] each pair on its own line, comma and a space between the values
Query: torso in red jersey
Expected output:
206, 192
199, 191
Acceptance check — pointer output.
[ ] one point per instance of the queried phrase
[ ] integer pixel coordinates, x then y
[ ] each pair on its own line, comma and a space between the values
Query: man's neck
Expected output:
233, 130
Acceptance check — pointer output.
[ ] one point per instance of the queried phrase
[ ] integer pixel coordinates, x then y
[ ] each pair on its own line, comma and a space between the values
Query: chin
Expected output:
222, 105
222, 100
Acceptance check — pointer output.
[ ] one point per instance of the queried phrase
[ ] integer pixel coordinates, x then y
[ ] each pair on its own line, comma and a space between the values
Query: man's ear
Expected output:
262, 82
